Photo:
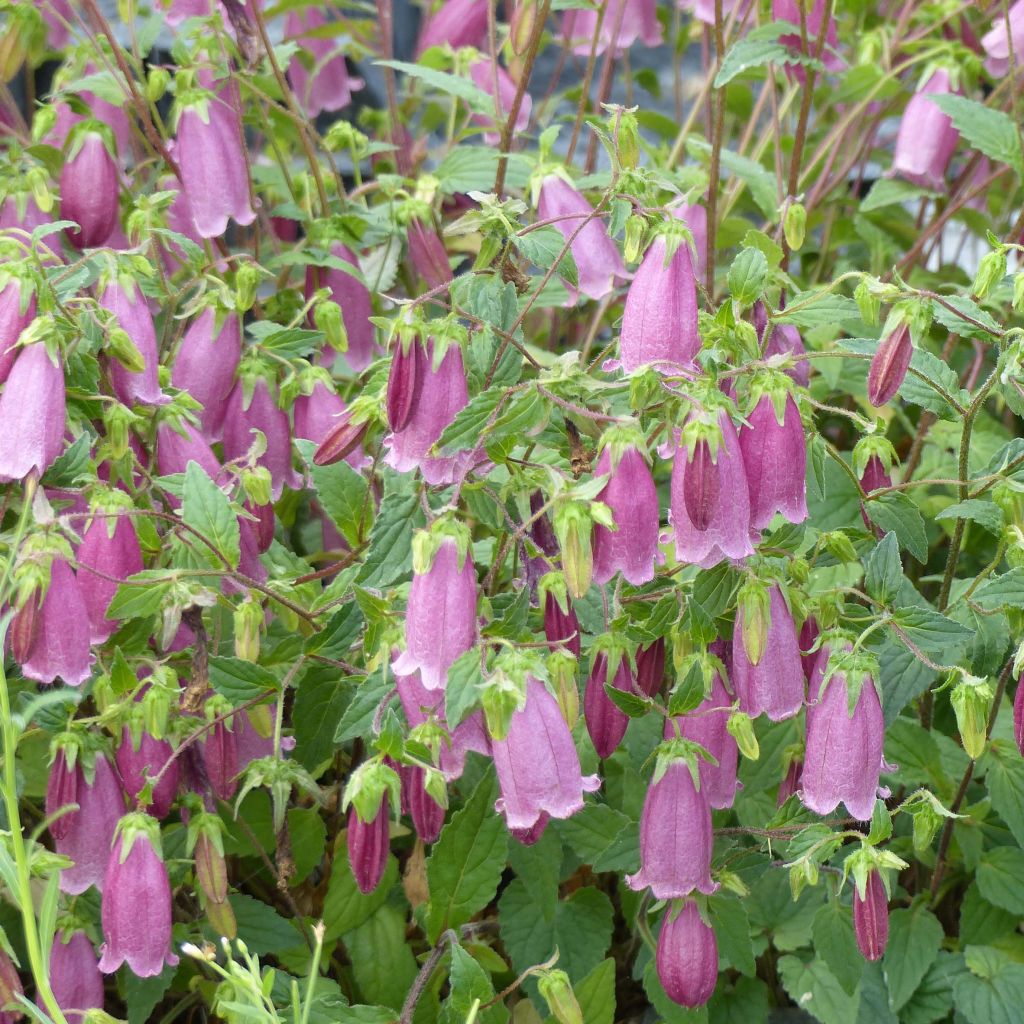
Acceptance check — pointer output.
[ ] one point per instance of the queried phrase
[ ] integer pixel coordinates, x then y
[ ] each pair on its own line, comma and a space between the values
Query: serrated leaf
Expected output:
915, 936
475, 97
747, 275
994, 999
592, 831
732, 930
887, 191
358, 716
389, 555
345, 907
999, 878
467, 429
469, 984
596, 994
820, 308
239, 681
761, 46
883, 570
473, 168
382, 962
207, 509
814, 988
980, 921
320, 702
896, 513
142, 594
633, 704
836, 944
261, 927
466, 863
1005, 591
938, 636
986, 514
985, 327
1004, 780
336, 638
461, 694
542, 246
989, 131
342, 493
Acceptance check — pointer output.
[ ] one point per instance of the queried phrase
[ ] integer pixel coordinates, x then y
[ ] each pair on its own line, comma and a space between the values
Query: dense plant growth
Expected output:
532, 532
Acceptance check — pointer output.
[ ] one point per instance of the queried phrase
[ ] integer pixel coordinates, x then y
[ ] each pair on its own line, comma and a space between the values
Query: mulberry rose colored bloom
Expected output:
718, 495
788, 10
89, 832
440, 619
15, 316
428, 254
675, 837
706, 725
1018, 717
132, 312
75, 976
537, 764
630, 494
174, 451
110, 546
213, 169
871, 918
59, 648
136, 909
32, 412
426, 813
326, 85
89, 192
775, 685
889, 365
206, 363
319, 413
996, 42
484, 74
599, 265
775, 460
926, 139
606, 723
659, 322
147, 758
624, 22
456, 22
368, 847
687, 956
843, 757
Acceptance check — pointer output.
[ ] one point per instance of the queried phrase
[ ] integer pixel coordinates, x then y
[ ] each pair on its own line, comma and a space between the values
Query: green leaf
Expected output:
461, 695
142, 995
732, 930
883, 571
591, 831
915, 936
596, 994
980, 921
989, 131
931, 1002
473, 168
747, 275
335, 640
469, 983
633, 704
761, 46
895, 512
358, 716
873, 1002
1005, 591
1004, 780
382, 962
889, 191
986, 327
999, 878
465, 866
820, 308
986, 514
239, 681
480, 423
207, 509
389, 555
72, 465
995, 997
342, 493
142, 594
939, 636
320, 702
345, 907
261, 927
746, 1002
542, 246
836, 944
475, 97
814, 988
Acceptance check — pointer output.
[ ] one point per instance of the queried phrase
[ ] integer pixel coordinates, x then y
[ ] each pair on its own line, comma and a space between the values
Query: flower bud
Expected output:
327, 318
889, 365
868, 302
342, 440
606, 723
991, 270
368, 847
247, 279
650, 667
871, 917
89, 192
562, 666
557, 991
157, 82
741, 728
794, 226
75, 976
636, 232
405, 384
500, 698
972, 702
573, 530
248, 619
687, 956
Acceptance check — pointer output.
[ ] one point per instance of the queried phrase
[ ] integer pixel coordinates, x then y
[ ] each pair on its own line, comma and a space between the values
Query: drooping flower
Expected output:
706, 725
599, 265
206, 363
405, 384
75, 976
606, 723
710, 501
110, 546
213, 169
889, 365
59, 647
874, 478
129, 305
561, 627
843, 758
675, 837
136, 909
443, 394
996, 41
368, 847
624, 22
88, 833
704, 10
871, 917
926, 139
148, 756
89, 191
17, 311
426, 813
775, 685
785, 339
537, 764
32, 411
787, 10
352, 295
775, 460
631, 495
1018, 717
220, 756
428, 254
687, 956
456, 22
650, 667
485, 73
175, 449
320, 413
440, 618
325, 84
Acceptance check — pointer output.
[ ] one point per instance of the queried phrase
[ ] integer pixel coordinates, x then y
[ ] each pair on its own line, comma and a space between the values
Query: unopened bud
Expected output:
344, 438
636, 231
755, 616
972, 702
123, 349
795, 225
741, 728
257, 484
562, 672
248, 620
867, 302
991, 270
327, 317
501, 699
557, 991
247, 279
157, 83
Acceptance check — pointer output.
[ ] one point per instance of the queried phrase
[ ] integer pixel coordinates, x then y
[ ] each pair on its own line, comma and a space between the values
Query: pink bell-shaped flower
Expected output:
687, 956
787, 10
530, 836
443, 394
88, 834
17, 311
785, 339
675, 837
599, 265
252, 409
775, 460
926, 139
353, 296
871, 917
710, 501
996, 42
561, 626
650, 667
428, 254
632, 547
485, 73
220, 756
213, 169
775, 685
537, 764
148, 757
75, 976
61, 632
32, 412
111, 547
889, 365
129, 305
319, 413
325, 84
368, 847
175, 450
206, 363
624, 22
874, 478
456, 22
136, 909
843, 758
440, 618
426, 813
706, 725
1018, 717
606, 723
89, 192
